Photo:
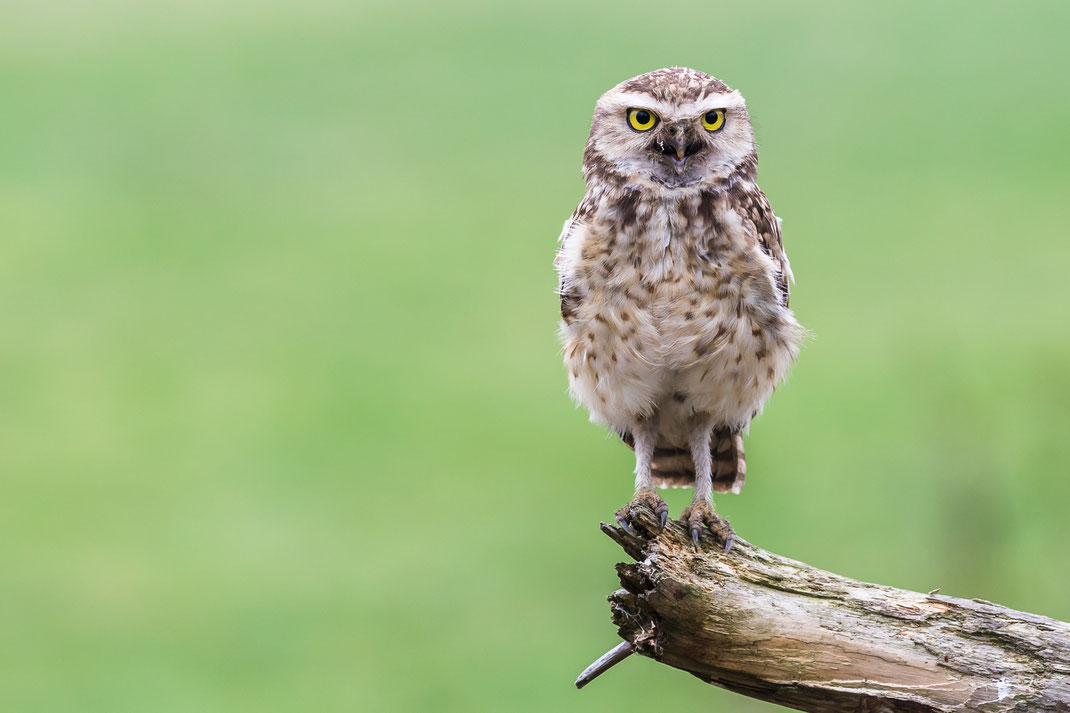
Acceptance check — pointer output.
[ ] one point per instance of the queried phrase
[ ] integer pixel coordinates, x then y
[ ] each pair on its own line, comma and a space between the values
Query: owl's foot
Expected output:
701, 513
648, 498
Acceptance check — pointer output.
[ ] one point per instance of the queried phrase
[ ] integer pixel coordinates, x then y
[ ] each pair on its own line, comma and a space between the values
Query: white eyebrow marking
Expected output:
732, 100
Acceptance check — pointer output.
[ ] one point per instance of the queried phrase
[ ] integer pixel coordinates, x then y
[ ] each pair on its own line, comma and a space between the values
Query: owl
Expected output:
674, 288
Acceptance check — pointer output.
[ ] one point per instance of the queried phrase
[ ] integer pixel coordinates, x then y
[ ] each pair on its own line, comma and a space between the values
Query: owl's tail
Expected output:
674, 468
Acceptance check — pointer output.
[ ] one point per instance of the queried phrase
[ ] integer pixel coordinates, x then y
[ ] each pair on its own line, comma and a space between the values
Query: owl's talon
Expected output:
701, 513
629, 515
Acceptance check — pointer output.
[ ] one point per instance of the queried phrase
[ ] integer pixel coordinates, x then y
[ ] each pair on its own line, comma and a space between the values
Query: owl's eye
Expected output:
641, 119
713, 120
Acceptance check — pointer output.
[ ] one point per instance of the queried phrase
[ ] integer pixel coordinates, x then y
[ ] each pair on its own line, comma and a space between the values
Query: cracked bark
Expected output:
781, 631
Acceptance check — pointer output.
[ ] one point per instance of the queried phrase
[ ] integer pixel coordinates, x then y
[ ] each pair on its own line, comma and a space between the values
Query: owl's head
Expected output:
668, 130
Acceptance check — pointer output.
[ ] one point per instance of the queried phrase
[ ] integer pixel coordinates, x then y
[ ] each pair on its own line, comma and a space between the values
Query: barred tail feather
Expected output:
729, 462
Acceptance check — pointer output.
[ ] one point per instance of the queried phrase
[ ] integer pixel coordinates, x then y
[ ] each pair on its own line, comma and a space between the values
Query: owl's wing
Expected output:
569, 297
757, 215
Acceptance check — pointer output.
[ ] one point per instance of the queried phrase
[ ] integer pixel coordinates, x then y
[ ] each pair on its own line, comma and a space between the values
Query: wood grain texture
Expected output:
782, 631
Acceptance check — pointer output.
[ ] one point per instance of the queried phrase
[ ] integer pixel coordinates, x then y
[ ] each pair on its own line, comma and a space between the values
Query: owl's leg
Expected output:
700, 511
645, 438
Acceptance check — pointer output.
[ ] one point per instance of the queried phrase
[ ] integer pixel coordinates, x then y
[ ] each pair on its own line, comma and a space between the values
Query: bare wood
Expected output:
605, 662
781, 631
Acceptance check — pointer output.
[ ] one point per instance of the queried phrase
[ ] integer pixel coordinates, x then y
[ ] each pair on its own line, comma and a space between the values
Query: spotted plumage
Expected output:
674, 285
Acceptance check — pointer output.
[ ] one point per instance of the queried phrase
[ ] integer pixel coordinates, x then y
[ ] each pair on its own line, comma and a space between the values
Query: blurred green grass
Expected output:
285, 425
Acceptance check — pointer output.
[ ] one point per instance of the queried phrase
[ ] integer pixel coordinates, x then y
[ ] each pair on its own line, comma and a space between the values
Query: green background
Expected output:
284, 425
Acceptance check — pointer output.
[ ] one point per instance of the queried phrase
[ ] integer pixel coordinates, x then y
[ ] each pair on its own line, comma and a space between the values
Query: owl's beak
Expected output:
678, 139
678, 148
679, 161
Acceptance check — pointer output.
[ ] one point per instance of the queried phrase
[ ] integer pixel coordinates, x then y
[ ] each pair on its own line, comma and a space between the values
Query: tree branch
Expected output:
781, 631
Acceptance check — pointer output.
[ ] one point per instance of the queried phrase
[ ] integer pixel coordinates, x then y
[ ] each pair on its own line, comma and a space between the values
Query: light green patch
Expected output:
284, 424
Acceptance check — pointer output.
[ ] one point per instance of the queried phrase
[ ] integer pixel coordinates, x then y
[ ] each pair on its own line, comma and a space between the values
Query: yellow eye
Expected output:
641, 119
713, 120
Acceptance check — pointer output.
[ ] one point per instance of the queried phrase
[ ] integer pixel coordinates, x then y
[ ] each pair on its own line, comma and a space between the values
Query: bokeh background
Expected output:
284, 425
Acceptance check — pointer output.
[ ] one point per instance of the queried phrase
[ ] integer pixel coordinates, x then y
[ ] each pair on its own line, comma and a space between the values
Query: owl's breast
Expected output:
678, 283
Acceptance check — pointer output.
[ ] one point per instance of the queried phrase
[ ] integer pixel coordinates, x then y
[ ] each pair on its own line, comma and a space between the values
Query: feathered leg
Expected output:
700, 511
645, 438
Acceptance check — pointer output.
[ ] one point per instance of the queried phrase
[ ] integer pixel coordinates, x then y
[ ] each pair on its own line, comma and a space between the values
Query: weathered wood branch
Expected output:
781, 631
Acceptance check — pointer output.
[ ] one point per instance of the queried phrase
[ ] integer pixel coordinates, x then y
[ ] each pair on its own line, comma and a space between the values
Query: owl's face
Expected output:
669, 130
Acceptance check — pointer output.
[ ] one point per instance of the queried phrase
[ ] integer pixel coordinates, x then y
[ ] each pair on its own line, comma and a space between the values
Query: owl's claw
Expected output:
649, 499
701, 513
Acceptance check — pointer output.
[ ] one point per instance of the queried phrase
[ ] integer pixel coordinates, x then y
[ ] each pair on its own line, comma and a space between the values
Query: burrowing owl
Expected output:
674, 287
